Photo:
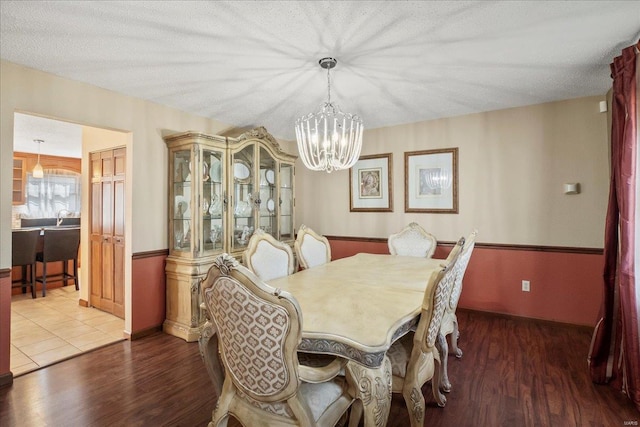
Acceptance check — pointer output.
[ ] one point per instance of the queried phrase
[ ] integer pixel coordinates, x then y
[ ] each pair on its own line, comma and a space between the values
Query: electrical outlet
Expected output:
526, 286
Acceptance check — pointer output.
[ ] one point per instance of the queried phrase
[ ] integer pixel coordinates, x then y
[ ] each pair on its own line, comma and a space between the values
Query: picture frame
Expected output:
370, 184
431, 181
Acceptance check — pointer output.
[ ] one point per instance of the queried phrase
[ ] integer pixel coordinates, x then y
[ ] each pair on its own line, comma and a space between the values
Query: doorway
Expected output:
62, 324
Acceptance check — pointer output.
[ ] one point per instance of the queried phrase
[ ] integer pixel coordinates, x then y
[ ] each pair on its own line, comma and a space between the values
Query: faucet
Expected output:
62, 212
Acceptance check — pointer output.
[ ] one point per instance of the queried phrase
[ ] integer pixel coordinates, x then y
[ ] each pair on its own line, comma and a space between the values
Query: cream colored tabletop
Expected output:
357, 306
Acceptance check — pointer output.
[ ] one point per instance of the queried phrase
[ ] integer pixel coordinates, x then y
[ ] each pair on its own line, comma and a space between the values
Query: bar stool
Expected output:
59, 245
23, 254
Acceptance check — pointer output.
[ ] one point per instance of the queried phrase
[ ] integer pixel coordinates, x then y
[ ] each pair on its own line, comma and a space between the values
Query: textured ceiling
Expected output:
249, 63
59, 138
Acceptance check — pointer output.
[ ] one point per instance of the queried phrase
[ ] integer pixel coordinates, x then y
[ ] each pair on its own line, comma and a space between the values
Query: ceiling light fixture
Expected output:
329, 139
37, 169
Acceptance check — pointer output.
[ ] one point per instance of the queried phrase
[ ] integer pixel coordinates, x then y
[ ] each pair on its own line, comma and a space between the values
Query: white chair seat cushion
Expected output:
318, 396
269, 262
400, 353
313, 251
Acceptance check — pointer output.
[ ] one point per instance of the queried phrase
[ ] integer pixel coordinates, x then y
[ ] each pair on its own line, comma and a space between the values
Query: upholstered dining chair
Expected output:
412, 240
23, 254
259, 331
449, 324
415, 358
311, 248
59, 245
267, 257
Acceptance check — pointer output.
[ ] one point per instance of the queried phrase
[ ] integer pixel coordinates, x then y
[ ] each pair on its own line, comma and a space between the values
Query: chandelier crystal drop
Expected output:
329, 139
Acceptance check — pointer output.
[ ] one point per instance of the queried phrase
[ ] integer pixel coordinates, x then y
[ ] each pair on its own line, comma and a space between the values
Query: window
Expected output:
57, 190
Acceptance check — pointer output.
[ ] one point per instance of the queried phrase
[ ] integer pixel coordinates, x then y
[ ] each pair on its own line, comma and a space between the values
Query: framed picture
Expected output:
431, 181
370, 184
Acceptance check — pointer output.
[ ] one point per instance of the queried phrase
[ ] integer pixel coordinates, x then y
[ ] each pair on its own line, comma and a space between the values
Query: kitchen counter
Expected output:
47, 223
30, 223
46, 227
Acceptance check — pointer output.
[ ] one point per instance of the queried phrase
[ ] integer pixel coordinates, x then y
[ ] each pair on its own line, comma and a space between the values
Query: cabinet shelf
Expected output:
19, 180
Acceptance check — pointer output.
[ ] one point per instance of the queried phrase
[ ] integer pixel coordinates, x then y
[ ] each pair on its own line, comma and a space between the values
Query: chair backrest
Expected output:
461, 268
311, 248
259, 329
23, 247
267, 257
60, 245
414, 241
436, 298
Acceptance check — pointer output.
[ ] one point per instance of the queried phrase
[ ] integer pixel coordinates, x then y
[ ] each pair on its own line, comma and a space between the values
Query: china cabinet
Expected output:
220, 190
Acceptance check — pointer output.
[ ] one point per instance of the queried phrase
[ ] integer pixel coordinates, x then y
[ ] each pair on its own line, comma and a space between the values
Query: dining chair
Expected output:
412, 240
449, 324
259, 330
415, 358
311, 248
59, 245
23, 254
267, 257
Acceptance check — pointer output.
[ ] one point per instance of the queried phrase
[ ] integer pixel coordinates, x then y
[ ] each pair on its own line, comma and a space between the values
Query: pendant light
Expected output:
329, 139
37, 169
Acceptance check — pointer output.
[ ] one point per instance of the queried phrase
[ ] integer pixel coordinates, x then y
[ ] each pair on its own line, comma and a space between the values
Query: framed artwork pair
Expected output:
430, 184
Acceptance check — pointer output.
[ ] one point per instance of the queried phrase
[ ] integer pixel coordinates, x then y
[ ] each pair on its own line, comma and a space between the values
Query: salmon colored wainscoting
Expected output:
6, 378
566, 283
148, 292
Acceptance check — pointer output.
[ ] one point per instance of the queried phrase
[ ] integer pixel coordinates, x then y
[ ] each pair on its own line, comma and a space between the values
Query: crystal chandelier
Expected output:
37, 169
329, 139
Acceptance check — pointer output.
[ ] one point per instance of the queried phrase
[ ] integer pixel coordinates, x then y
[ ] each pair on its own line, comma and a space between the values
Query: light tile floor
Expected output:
50, 329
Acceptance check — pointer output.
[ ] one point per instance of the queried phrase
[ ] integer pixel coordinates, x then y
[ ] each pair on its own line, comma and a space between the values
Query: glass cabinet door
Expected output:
244, 197
286, 201
213, 201
267, 203
182, 212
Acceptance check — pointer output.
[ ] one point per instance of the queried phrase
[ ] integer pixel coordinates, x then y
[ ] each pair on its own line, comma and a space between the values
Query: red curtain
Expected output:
614, 356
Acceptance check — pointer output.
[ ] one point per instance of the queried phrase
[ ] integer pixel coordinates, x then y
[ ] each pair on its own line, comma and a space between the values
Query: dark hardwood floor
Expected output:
514, 372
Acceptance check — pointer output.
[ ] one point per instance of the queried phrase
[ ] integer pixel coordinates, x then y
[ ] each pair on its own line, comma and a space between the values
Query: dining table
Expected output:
355, 308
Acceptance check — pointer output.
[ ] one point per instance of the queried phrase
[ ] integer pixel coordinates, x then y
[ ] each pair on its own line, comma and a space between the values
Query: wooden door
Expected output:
107, 230
95, 221
118, 230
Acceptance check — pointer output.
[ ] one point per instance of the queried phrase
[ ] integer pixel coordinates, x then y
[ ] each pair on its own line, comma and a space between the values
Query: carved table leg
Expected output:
373, 389
443, 349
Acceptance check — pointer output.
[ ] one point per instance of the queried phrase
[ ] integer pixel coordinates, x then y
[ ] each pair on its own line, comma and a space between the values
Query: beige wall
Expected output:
513, 164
